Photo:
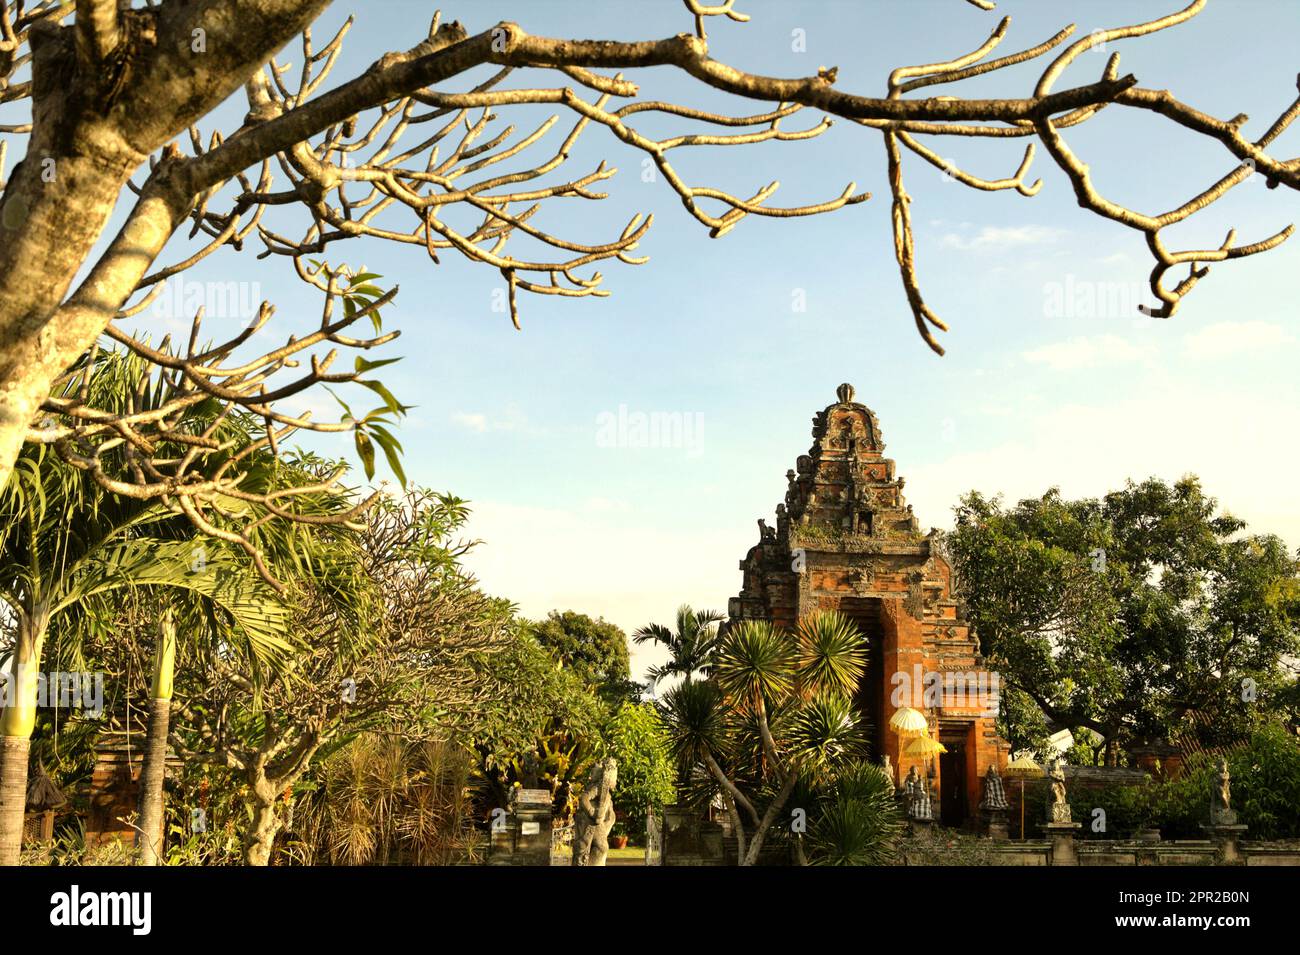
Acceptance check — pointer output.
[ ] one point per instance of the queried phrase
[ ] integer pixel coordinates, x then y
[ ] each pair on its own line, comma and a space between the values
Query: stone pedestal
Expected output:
1227, 839
523, 836
711, 843
995, 825
921, 828
1061, 835
681, 837
532, 827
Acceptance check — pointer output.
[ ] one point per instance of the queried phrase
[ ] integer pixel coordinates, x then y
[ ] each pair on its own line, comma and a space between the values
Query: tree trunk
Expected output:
86, 140
17, 719
153, 773
13, 796
732, 807
258, 842
736, 824
756, 844
151, 783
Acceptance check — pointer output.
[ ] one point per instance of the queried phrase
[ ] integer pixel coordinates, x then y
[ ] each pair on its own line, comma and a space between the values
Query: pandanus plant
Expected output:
775, 716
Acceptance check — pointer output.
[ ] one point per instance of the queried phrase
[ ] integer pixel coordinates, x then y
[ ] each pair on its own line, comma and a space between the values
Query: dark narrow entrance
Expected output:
870, 698
952, 785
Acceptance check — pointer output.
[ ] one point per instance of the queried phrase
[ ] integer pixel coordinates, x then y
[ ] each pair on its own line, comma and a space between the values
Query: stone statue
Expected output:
887, 768
918, 795
1221, 811
995, 796
993, 807
595, 815
1058, 810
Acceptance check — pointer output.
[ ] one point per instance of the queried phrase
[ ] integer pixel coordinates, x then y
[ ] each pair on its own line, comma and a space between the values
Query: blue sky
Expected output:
1025, 398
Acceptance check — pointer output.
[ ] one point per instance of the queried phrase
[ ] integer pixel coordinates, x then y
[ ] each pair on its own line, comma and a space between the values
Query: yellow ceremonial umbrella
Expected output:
1023, 767
907, 722
924, 747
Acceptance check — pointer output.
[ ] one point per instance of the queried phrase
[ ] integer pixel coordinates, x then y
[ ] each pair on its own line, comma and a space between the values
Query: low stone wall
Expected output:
1101, 852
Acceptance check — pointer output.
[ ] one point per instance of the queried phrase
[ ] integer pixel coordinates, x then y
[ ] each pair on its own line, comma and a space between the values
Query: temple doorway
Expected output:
873, 688
952, 784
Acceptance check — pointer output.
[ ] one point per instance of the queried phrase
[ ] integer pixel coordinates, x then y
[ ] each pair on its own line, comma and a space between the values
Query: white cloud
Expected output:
595, 562
606, 504
320, 406
472, 422
997, 238
1116, 258
512, 419
1089, 450
1234, 338
1085, 352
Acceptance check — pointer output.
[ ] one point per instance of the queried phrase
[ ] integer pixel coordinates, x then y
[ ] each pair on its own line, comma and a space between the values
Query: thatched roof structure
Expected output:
42, 794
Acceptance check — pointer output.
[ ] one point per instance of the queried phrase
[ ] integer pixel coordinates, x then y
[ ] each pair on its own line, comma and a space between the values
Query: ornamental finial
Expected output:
844, 393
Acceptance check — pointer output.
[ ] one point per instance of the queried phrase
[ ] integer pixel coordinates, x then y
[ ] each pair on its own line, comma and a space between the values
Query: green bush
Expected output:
857, 821
1265, 789
637, 740
1128, 808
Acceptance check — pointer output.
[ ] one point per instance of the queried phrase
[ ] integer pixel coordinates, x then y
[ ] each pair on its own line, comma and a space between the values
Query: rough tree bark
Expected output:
13, 795
154, 771
17, 719
266, 825
98, 112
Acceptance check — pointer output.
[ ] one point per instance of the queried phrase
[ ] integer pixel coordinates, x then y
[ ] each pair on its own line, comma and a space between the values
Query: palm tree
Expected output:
67, 544
690, 647
154, 768
220, 599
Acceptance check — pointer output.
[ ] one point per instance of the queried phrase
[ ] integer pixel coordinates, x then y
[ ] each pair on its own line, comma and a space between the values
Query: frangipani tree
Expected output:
107, 99
390, 625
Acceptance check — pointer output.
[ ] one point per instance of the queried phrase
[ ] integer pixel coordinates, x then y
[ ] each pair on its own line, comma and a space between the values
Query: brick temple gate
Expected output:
846, 540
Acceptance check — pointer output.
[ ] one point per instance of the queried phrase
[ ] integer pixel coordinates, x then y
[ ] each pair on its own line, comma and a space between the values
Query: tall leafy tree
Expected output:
1126, 614
389, 624
540, 724
595, 650
637, 739
306, 547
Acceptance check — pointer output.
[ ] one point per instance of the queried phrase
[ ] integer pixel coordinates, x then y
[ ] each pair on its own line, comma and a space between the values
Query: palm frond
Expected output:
832, 653
754, 661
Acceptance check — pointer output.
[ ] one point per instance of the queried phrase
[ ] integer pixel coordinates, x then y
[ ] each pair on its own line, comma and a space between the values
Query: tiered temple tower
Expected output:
846, 540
